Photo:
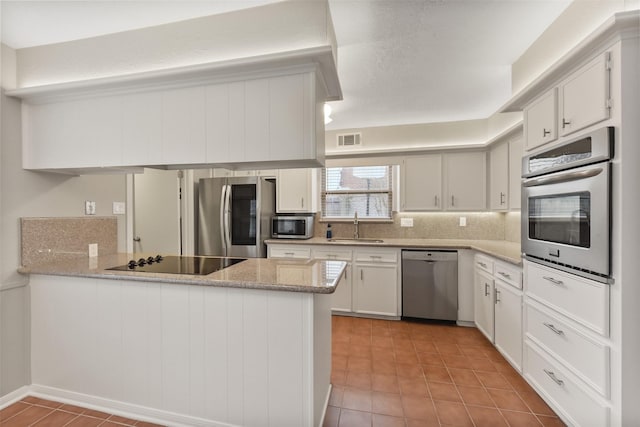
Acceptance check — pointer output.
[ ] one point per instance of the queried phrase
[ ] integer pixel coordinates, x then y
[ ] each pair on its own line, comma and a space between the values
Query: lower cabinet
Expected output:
498, 306
371, 283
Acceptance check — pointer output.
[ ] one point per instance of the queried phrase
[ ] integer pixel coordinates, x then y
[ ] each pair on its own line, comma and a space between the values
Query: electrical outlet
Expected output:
463, 221
119, 208
93, 250
89, 207
406, 222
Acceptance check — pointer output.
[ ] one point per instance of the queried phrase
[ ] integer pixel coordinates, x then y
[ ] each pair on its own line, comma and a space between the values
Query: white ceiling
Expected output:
399, 61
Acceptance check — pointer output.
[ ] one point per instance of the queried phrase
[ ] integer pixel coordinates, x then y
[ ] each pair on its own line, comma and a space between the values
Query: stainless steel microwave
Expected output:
566, 206
292, 226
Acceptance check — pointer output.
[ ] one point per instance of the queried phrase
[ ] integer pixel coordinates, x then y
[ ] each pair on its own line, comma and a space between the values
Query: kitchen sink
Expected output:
359, 239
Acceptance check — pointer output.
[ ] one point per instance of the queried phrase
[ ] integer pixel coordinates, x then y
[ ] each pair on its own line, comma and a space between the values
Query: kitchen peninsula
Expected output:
248, 344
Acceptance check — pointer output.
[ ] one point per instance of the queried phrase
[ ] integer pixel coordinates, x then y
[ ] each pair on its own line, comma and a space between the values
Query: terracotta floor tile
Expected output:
475, 396
12, 410
521, 419
482, 364
551, 421
338, 377
340, 348
464, 377
357, 350
473, 351
41, 402
385, 383
56, 419
453, 361
454, 414
359, 364
431, 359
95, 414
82, 421
349, 418
413, 387
493, 380
517, 382
341, 338
444, 391
361, 340
339, 362
361, 380
108, 423
423, 423
337, 393
387, 404
387, 421
486, 417
409, 371
29, 416
447, 349
146, 424
419, 408
384, 367
383, 356
507, 399
402, 343
425, 347
407, 358
535, 403
437, 374
72, 408
356, 399
382, 342
380, 332
331, 417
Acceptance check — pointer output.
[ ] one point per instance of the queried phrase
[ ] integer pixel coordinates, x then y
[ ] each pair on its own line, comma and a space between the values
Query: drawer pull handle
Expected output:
553, 328
486, 289
496, 295
552, 280
482, 264
505, 275
375, 256
289, 253
545, 132
552, 375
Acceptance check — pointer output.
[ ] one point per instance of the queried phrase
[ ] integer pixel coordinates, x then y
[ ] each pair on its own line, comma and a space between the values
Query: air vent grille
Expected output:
349, 139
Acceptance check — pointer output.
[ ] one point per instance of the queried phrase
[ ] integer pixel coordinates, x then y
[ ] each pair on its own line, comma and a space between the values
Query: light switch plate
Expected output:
89, 207
406, 222
119, 208
463, 221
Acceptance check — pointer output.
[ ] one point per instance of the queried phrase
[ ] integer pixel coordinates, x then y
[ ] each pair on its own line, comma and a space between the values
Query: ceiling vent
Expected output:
349, 140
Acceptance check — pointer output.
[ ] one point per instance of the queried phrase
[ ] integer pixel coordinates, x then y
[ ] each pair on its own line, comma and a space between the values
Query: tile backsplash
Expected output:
435, 225
43, 239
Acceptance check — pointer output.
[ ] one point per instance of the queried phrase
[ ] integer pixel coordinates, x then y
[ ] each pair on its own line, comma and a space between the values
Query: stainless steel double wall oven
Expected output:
566, 206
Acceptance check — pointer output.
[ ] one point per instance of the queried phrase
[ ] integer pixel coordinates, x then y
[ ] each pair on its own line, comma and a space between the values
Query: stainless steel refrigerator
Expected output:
234, 216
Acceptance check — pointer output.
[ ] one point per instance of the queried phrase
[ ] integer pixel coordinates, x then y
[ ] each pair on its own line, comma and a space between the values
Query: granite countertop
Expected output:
501, 249
310, 276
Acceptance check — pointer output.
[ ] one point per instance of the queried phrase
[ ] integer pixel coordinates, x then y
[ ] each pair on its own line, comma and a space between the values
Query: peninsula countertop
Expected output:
501, 249
310, 276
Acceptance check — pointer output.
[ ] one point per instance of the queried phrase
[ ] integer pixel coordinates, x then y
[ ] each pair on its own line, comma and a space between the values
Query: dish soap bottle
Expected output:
329, 232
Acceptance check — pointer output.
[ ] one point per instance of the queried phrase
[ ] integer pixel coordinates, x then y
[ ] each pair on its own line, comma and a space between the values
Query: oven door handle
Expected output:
562, 177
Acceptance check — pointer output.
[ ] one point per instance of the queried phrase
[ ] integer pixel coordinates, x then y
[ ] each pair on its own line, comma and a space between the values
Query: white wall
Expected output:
24, 193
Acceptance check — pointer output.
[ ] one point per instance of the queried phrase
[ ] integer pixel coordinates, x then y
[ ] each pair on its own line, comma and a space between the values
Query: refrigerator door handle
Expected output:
223, 234
227, 220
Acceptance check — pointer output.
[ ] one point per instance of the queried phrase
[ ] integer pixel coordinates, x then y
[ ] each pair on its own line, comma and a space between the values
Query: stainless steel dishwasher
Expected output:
430, 284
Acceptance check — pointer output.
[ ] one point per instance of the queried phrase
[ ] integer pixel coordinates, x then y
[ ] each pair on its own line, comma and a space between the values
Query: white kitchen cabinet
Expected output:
296, 190
376, 289
465, 181
142, 129
484, 304
540, 120
508, 322
515, 173
183, 126
499, 177
342, 298
289, 251
584, 96
421, 182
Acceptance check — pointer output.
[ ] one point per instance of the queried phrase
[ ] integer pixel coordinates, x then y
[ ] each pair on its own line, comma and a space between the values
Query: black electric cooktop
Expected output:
178, 264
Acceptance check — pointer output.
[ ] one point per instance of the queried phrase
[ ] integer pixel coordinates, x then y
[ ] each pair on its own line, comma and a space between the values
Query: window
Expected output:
362, 189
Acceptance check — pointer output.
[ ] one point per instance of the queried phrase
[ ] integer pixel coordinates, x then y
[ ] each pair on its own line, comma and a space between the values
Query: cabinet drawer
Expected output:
484, 263
376, 256
508, 273
586, 356
580, 299
563, 391
289, 252
329, 253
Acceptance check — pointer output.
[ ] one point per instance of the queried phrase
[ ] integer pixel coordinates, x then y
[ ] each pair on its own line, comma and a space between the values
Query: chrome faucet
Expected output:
356, 232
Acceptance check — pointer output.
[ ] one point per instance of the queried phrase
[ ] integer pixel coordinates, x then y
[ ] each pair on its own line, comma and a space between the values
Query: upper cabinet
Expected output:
421, 183
515, 172
296, 190
499, 177
579, 101
465, 181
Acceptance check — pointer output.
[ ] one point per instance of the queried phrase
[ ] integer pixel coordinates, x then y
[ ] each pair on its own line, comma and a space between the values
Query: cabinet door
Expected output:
183, 126
540, 126
376, 289
499, 177
290, 117
422, 183
142, 129
342, 298
217, 111
508, 322
294, 191
515, 173
483, 302
256, 108
465, 181
584, 96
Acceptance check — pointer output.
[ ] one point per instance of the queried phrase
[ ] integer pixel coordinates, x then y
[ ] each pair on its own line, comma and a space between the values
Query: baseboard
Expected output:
122, 409
14, 396
466, 323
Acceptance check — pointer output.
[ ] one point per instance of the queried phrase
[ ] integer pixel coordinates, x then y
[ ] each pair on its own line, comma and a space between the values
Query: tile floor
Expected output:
391, 373
32, 411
